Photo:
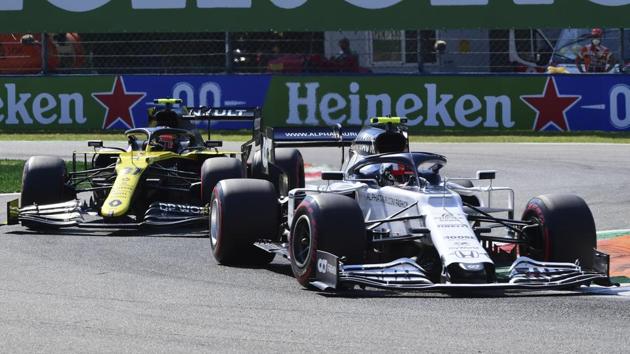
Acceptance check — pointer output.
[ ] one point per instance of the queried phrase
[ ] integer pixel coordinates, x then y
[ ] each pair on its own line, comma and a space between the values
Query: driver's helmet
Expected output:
168, 142
597, 33
394, 174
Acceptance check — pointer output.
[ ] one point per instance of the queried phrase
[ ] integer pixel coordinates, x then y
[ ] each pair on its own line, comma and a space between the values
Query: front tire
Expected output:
566, 233
243, 211
43, 181
328, 222
469, 199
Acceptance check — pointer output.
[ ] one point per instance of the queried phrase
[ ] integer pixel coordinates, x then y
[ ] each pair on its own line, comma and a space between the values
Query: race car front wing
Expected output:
405, 274
75, 214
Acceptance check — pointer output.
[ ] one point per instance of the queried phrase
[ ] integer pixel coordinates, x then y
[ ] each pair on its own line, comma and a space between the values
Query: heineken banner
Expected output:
300, 15
431, 103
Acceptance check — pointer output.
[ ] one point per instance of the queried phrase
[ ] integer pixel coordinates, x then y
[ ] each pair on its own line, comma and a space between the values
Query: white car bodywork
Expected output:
439, 208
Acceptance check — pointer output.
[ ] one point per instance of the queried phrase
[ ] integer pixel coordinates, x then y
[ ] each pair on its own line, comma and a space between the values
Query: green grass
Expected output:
426, 137
620, 280
11, 174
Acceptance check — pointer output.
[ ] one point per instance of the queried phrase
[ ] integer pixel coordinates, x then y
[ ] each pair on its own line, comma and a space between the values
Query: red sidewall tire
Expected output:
567, 231
335, 225
303, 274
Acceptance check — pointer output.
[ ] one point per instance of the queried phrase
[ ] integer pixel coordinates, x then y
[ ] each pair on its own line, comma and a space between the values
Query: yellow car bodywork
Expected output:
129, 169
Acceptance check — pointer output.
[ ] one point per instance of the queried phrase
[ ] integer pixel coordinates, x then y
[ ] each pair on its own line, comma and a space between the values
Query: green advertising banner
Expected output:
52, 104
302, 15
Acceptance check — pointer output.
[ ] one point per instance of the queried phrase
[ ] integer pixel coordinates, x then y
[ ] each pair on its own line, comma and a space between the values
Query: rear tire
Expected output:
567, 231
292, 163
216, 169
289, 161
327, 222
242, 212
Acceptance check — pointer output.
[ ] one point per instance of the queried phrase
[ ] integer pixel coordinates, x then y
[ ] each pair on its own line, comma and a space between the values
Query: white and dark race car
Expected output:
390, 220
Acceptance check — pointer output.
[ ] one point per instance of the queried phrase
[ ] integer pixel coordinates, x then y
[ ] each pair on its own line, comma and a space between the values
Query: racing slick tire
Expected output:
327, 222
242, 212
567, 230
469, 199
43, 182
290, 161
216, 169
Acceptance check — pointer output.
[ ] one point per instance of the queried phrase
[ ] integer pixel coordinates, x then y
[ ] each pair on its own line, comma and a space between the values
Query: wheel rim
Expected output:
302, 241
535, 247
214, 223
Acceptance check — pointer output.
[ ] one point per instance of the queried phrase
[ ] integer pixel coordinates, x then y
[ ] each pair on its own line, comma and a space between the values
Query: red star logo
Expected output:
118, 103
551, 107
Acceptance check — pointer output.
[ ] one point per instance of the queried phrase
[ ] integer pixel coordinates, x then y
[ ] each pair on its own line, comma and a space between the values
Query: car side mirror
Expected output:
332, 175
213, 143
486, 174
95, 143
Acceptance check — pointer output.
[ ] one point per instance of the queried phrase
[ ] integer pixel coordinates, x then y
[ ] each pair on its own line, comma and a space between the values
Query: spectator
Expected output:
346, 52
595, 57
347, 59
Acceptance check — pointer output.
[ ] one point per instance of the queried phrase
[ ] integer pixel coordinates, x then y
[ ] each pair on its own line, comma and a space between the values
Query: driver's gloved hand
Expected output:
386, 178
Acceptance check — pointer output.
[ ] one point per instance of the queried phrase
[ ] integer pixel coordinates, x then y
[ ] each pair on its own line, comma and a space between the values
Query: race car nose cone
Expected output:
472, 267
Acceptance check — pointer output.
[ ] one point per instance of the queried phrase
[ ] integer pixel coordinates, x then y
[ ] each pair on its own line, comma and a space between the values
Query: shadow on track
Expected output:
282, 269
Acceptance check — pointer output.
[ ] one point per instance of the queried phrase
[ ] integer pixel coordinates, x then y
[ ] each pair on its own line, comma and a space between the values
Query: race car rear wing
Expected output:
209, 113
171, 112
221, 113
230, 114
293, 137
311, 136
226, 114
335, 136
284, 137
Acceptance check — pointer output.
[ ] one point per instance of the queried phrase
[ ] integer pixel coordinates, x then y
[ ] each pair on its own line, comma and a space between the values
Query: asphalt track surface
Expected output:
132, 292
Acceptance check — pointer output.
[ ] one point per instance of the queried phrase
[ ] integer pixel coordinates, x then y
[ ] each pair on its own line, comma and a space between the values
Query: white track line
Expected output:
614, 231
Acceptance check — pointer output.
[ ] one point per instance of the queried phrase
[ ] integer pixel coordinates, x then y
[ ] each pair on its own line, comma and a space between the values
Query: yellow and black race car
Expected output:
164, 177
